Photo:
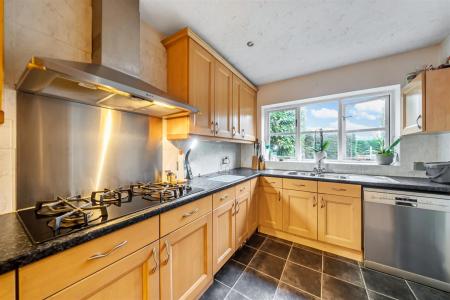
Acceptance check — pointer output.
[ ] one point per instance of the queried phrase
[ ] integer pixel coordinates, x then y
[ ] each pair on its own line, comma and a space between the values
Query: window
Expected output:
353, 126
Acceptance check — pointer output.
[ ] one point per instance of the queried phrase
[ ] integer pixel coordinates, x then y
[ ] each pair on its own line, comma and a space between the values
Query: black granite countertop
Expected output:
17, 250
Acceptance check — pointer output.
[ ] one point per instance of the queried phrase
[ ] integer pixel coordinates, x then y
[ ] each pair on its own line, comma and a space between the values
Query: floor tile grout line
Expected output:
387, 296
284, 268
321, 277
414, 294
364, 281
247, 266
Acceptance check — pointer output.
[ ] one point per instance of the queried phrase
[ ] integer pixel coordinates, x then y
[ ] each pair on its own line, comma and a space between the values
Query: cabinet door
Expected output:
223, 234
247, 114
136, 276
438, 100
201, 89
8, 286
300, 213
339, 221
253, 207
413, 105
242, 203
270, 207
236, 125
223, 101
186, 260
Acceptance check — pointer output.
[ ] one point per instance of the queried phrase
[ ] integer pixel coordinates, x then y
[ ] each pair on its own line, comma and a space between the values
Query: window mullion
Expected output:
341, 130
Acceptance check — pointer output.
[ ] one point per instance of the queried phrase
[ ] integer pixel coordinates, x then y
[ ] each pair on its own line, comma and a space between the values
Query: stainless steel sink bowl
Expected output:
323, 175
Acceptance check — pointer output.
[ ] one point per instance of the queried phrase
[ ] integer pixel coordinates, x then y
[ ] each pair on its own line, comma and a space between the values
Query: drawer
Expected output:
242, 188
175, 218
224, 196
271, 182
52, 274
343, 189
300, 185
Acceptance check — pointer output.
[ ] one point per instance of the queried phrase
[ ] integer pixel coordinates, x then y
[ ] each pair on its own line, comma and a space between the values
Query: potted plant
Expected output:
320, 147
385, 155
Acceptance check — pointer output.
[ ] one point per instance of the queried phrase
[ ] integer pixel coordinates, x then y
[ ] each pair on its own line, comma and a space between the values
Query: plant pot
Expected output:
318, 156
384, 160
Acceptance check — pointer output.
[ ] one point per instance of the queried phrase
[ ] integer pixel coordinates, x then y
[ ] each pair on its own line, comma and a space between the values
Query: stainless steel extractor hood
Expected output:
106, 82
98, 85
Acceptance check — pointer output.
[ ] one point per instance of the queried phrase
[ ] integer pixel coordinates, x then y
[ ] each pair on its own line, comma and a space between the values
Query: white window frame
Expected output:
390, 93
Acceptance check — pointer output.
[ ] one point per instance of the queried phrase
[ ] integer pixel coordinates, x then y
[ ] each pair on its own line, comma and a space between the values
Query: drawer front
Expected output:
271, 182
300, 185
242, 188
182, 215
52, 274
223, 197
342, 189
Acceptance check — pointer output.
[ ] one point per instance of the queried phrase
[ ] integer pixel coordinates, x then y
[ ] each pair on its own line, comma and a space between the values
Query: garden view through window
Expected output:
354, 128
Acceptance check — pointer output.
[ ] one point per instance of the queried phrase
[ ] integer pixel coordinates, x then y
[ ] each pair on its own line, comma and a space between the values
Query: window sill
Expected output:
333, 162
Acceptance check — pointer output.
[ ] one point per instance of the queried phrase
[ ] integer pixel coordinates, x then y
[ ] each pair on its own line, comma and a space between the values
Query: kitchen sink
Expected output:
226, 178
323, 175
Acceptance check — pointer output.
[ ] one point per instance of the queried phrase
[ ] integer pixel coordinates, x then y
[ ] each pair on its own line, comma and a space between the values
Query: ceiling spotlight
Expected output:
250, 44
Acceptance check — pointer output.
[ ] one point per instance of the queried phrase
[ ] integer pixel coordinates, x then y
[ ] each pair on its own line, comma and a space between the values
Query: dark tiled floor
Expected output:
271, 268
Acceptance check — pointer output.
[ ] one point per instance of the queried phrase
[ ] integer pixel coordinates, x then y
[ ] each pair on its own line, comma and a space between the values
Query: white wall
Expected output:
365, 75
445, 52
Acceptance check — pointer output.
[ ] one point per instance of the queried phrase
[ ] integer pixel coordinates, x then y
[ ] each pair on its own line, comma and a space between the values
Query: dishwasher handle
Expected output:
403, 201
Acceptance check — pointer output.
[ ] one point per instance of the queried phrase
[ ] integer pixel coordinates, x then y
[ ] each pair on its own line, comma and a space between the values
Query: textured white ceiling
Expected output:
297, 37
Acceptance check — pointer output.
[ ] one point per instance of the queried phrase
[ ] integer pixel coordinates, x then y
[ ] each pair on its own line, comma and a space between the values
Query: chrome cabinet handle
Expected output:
233, 212
188, 214
167, 245
417, 121
223, 198
339, 189
104, 254
212, 126
233, 131
217, 127
314, 201
243, 133
242, 189
279, 196
298, 184
322, 205
153, 270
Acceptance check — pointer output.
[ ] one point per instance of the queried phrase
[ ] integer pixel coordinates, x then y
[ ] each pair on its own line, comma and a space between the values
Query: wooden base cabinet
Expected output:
300, 213
224, 234
133, 277
253, 207
339, 220
186, 260
8, 286
242, 204
270, 207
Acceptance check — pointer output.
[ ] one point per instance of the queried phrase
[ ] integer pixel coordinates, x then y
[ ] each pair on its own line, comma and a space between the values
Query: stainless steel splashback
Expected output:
66, 148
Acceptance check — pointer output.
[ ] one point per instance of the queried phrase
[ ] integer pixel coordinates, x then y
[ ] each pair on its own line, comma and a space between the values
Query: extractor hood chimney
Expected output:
116, 35
111, 81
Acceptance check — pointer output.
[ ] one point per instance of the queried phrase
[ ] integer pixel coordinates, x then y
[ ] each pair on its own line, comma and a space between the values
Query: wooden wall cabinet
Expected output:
8, 286
426, 103
186, 260
413, 106
199, 76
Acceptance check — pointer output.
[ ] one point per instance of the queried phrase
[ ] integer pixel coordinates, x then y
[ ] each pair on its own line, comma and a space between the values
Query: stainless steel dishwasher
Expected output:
408, 234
